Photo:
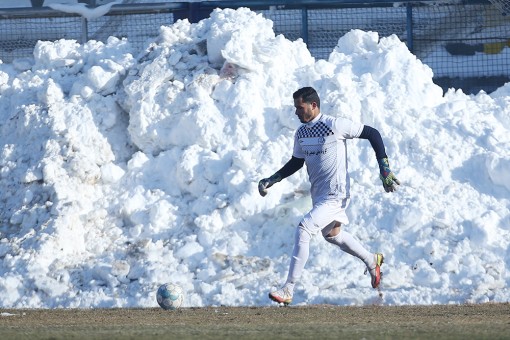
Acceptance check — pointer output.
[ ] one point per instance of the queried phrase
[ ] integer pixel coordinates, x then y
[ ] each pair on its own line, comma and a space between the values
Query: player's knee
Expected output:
333, 232
302, 234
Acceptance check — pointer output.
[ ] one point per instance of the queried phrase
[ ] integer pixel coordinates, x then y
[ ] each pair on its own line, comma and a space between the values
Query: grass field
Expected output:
483, 321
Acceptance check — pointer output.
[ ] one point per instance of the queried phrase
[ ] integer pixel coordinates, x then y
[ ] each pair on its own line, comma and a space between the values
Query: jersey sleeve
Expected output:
347, 129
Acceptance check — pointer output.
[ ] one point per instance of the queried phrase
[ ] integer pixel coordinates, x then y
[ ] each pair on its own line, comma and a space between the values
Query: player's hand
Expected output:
387, 177
266, 183
390, 182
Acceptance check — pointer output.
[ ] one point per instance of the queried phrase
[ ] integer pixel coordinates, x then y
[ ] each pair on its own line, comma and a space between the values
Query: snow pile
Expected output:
121, 172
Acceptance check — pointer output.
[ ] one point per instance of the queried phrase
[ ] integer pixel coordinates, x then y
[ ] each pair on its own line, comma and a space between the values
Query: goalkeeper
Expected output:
320, 142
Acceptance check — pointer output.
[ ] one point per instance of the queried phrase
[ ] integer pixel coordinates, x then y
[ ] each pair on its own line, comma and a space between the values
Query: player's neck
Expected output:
314, 120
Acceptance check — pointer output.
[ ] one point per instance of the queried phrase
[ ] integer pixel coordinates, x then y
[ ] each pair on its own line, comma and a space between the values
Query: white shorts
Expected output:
324, 215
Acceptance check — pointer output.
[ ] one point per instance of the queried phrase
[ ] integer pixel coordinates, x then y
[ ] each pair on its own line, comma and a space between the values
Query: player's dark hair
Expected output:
308, 95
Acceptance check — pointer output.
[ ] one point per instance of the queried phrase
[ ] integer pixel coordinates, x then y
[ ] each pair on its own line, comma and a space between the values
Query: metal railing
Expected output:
466, 44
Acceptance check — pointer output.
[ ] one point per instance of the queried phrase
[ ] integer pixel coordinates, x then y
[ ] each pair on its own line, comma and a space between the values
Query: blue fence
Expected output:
466, 43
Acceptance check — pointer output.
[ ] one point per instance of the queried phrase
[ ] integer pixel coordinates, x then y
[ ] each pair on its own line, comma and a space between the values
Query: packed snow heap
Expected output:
121, 171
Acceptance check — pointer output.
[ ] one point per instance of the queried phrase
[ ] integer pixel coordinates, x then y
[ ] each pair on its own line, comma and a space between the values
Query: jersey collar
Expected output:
314, 121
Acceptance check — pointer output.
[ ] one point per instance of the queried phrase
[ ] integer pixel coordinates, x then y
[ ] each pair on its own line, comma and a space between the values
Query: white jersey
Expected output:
322, 144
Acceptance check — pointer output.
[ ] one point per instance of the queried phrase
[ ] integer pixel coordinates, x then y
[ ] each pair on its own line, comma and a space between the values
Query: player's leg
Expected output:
312, 223
300, 255
350, 245
346, 242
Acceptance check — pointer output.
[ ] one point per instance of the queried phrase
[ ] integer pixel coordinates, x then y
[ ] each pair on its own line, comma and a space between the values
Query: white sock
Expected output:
299, 256
352, 246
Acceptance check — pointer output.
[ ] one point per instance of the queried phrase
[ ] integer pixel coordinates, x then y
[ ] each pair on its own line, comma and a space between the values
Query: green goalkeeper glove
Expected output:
266, 183
387, 177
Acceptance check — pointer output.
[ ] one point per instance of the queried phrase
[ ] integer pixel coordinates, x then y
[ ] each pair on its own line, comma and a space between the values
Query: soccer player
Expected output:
320, 142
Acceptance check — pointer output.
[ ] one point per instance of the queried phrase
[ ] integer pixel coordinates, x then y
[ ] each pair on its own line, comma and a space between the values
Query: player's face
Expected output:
306, 112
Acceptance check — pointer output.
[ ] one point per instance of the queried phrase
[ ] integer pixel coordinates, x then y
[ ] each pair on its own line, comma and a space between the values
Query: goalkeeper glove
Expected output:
387, 177
266, 183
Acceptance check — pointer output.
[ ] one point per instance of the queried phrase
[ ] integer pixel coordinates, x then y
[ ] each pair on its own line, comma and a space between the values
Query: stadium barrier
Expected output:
466, 43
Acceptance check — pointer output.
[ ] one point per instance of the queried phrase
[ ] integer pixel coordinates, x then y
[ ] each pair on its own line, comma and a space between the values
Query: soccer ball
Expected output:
170, 296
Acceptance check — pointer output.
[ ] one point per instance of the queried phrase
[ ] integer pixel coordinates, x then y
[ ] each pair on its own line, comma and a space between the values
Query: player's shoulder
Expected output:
341, 125
338, 120
329, 119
